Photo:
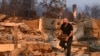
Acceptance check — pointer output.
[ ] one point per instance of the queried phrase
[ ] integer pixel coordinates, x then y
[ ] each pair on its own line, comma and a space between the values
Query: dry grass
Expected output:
32, 23
98, 22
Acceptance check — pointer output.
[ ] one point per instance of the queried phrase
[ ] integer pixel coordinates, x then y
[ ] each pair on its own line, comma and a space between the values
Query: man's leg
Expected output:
62, 44
69, 47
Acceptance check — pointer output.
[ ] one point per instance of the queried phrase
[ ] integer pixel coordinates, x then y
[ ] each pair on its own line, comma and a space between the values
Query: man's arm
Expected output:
71, 34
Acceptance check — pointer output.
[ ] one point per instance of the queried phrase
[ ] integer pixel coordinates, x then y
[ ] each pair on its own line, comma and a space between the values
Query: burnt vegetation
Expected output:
92, 11
27, 8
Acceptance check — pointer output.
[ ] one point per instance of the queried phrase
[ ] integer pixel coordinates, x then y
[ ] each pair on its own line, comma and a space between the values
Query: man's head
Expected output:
65, 20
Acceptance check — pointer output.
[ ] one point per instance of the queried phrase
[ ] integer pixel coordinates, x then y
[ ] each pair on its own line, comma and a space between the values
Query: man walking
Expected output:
67, 29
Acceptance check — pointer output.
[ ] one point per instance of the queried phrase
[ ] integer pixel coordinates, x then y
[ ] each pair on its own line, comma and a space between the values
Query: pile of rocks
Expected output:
32, 41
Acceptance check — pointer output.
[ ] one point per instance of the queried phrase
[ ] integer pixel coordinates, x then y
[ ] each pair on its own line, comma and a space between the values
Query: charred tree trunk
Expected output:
3, 6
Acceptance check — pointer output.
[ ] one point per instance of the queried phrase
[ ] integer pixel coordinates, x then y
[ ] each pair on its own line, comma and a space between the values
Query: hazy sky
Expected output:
81, 3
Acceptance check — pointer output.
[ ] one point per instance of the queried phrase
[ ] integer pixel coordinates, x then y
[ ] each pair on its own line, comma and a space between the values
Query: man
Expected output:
67, 29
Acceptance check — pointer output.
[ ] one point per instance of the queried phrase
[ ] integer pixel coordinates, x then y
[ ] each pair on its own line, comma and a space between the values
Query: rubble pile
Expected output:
26, 40
32, 41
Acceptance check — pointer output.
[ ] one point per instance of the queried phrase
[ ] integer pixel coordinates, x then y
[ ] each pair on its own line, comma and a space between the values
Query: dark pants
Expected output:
68, 46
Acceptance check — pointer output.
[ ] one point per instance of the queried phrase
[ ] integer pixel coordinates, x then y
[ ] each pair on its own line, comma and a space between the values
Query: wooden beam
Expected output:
10, 24
8, 47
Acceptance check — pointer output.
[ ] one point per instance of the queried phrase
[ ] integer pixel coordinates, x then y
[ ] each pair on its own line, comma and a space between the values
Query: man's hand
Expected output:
67, 38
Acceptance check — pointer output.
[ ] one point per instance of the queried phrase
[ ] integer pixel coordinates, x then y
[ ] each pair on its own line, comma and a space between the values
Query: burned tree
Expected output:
4, 7
3, 1
29, 10
54, 8
92, 11
13, 4
18, 8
